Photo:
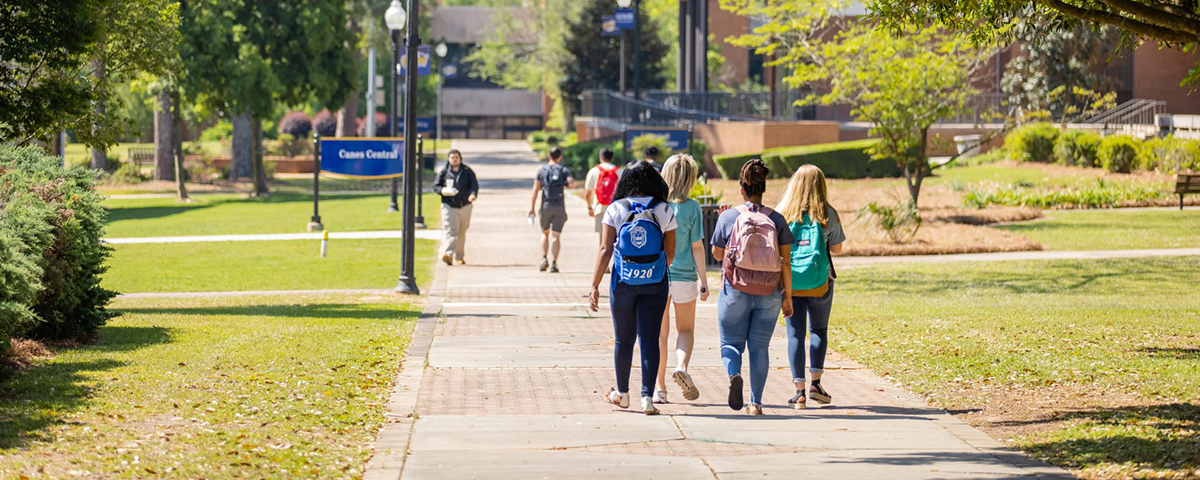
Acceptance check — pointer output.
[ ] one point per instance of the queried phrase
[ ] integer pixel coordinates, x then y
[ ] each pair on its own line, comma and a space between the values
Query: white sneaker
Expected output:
648, 406
618, 399
660, 396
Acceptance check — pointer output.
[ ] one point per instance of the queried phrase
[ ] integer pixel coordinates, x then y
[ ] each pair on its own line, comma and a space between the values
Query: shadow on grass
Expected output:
1177, 353
38, 398
119, 214
314, 311
1161, 437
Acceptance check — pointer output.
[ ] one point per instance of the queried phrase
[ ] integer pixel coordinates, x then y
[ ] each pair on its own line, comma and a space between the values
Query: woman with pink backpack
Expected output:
753, 243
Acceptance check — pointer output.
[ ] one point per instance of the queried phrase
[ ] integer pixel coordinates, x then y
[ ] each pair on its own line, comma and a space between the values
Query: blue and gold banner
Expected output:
363, 157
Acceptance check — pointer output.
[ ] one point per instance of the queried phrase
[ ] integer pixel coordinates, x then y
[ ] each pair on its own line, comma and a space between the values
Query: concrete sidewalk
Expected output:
505, 373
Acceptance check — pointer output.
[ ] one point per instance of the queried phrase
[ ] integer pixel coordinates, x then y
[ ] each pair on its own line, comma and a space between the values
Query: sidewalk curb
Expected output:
391, 443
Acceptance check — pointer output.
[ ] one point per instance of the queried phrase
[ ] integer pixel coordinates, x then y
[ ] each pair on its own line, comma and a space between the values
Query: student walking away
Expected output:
553, 179
651, 154
459, 188
639, 240
600, 185
687, 272
818, 234
754, 245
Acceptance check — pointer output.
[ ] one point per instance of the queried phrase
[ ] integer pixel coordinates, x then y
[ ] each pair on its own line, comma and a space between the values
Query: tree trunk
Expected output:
347, 116
243, 147
177, 118
922, 165
164, 164
99, 155
260, 175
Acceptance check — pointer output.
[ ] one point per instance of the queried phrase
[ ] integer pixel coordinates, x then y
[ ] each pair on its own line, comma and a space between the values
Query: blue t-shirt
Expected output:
725, 223
690, 230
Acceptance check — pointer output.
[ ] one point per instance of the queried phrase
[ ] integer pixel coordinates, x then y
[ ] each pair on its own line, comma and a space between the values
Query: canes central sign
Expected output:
363, 157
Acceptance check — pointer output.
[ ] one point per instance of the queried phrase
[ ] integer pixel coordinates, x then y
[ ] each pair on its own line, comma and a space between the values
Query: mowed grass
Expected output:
258, 387
236, 214
1107, 352
266, 265
1113, 229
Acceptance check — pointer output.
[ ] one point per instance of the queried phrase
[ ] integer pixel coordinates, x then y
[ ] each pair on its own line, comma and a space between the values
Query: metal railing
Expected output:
614, 107
762, 105
1139, 111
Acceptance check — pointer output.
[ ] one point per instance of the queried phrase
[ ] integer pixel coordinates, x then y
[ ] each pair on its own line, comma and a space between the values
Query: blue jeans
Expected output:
637, 312
747, 319
816, 309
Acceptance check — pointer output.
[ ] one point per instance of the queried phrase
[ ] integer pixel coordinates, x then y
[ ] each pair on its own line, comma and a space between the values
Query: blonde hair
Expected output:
806, 193
680, 173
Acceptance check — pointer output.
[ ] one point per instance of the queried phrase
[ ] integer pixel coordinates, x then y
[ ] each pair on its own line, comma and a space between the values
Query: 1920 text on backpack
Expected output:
752, 264
640, 257
606, 184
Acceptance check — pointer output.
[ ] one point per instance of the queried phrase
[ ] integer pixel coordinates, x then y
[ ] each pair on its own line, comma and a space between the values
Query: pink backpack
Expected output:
752, 263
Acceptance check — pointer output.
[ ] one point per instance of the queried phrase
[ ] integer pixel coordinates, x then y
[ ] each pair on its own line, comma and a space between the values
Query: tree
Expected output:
1173, 23
63, 59
1057, 63
593, 61
246, 57
901, 84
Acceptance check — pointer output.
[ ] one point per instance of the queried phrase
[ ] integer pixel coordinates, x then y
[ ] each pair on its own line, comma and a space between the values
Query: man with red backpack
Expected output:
600, 184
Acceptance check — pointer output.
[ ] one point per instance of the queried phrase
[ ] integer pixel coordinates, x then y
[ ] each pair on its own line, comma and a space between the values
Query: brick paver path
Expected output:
505, 381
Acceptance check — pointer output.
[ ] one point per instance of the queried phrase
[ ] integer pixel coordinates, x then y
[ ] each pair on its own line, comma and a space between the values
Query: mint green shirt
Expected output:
690, 229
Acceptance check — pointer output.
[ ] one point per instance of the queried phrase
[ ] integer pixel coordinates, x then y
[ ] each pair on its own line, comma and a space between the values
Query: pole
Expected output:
370, 126
439, 104
394, 110
637, 49
621, 65
407, 283
420, 220
701, 60
314, 225
681, 49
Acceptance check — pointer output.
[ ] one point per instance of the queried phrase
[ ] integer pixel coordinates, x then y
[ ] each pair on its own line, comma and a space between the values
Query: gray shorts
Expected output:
553, 217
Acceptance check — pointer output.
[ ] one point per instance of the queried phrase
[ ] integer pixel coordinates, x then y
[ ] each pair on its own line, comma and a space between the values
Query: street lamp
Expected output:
637, 40
407, 281
621, 63
394, 17
441, 50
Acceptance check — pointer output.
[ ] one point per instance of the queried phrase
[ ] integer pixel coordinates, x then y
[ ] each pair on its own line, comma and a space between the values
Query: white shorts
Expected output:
684, 292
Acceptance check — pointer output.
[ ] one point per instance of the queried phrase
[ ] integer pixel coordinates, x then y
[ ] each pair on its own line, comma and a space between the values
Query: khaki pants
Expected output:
455, 222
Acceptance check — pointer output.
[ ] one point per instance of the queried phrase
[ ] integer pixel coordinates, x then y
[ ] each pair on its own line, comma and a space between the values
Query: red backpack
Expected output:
606, 184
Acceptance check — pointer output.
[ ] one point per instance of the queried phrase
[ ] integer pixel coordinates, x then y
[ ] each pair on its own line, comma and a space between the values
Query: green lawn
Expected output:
1113, 229
236, 214
273, 265
1052, 334
262, 387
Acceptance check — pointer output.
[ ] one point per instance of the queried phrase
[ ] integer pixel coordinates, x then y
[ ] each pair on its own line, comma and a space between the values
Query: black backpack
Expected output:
554, 182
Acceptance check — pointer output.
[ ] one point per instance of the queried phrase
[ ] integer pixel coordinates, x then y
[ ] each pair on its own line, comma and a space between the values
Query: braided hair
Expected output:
753, 178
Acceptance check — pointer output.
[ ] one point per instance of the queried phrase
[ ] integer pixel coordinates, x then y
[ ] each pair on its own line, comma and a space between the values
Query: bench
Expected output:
141, 156
1186, 183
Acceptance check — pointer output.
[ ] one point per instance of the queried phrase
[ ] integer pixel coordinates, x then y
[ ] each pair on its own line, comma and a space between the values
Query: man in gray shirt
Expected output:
551, 183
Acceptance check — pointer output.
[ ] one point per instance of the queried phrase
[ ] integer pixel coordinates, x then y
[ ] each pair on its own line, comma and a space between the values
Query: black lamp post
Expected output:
395, 17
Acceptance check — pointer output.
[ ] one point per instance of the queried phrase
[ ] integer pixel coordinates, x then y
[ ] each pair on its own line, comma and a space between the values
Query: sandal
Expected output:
798, 402
616, 398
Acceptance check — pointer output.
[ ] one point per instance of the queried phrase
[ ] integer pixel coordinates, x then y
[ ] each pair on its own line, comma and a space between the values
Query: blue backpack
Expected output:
640, 257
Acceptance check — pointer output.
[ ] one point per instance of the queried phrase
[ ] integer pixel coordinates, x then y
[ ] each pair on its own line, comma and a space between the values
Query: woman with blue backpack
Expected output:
818, 234
753, 243
639, 239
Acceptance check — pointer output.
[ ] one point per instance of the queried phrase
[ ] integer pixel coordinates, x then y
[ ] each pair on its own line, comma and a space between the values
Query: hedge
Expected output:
52, 215
846, 160
1032, 143
1118, 153
581, 157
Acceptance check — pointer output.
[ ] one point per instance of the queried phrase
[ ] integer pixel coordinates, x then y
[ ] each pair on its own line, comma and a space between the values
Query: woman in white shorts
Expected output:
687, 274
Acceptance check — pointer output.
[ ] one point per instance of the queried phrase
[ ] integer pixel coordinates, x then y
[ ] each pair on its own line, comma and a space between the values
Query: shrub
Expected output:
1118, 153
20, 279
899, 222
325, 123
581, 157
1170, 155
698, 149
837, 160
296, 124
1078, 148
1032, 143
382, 127
56, 215
1100, 195
731, 165
776, 167
640, 143
221, 131
126, 174
288, 146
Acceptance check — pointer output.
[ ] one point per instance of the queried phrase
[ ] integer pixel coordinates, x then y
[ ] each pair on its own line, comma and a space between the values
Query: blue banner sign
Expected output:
608, 26
677, 138
423, 61
424, 125
624, 18
363, 157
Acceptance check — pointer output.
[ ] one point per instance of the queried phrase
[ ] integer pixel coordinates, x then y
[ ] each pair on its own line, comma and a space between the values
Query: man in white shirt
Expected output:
600, 184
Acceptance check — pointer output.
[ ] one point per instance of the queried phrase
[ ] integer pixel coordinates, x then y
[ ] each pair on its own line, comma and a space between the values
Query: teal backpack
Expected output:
810, 255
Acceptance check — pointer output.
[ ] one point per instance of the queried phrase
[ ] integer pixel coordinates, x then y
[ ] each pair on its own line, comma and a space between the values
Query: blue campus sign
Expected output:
363, 157
425, 125
423, 62
677, 138
624, 18
608, 26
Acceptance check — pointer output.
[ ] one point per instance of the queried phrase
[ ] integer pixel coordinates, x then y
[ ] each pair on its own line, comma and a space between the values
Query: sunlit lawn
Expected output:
259, 387
1113, 229
1110, 348
236, 214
